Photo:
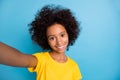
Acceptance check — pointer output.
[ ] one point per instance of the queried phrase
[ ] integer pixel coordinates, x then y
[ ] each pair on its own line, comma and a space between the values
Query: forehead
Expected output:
55, 29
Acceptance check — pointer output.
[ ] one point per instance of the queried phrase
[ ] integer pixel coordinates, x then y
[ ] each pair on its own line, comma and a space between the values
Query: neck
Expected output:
59, 57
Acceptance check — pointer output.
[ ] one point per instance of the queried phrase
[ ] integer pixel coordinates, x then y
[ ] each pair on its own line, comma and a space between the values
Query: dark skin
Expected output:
13, 57
57, 39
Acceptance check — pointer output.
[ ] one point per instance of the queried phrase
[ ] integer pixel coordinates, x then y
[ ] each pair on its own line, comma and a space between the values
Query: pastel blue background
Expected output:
97, 50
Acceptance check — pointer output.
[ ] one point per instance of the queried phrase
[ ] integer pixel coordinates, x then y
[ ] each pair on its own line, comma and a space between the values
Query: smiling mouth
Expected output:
60, 47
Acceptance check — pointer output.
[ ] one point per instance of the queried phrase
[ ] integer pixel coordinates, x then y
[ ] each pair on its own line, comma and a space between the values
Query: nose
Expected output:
58, 41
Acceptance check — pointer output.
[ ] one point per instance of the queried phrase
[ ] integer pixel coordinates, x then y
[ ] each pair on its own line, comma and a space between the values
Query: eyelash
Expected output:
52, 38
62, 35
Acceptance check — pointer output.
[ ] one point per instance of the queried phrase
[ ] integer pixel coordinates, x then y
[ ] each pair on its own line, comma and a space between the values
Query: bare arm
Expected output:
12, 57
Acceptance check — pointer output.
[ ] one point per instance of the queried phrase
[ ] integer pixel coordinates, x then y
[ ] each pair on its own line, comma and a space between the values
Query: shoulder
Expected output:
40, 55
72, 62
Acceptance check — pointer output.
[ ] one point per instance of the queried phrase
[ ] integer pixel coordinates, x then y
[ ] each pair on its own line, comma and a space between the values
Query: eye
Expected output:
62, 35
51, 38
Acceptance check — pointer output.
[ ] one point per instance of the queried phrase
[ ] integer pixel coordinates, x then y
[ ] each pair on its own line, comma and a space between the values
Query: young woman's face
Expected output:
57, 38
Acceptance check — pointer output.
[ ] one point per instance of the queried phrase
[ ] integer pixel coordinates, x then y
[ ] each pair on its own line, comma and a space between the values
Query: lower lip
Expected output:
60, 48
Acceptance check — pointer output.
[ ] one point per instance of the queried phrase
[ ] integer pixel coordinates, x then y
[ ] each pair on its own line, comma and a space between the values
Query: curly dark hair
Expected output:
49, 15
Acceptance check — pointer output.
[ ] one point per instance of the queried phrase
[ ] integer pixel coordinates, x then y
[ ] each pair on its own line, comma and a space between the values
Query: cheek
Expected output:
67, 39
51, 43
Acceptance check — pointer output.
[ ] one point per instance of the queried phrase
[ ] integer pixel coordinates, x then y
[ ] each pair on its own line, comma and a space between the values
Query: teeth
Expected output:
61, 47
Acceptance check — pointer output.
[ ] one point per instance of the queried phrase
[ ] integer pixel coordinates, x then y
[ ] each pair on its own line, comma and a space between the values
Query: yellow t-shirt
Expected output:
49, 69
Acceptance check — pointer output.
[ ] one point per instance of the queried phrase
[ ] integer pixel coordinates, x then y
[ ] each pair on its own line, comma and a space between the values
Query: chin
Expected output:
57, 51
60, 51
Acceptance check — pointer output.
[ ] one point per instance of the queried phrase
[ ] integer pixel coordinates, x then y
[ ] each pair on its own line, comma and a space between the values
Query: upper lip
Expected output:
59, 46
